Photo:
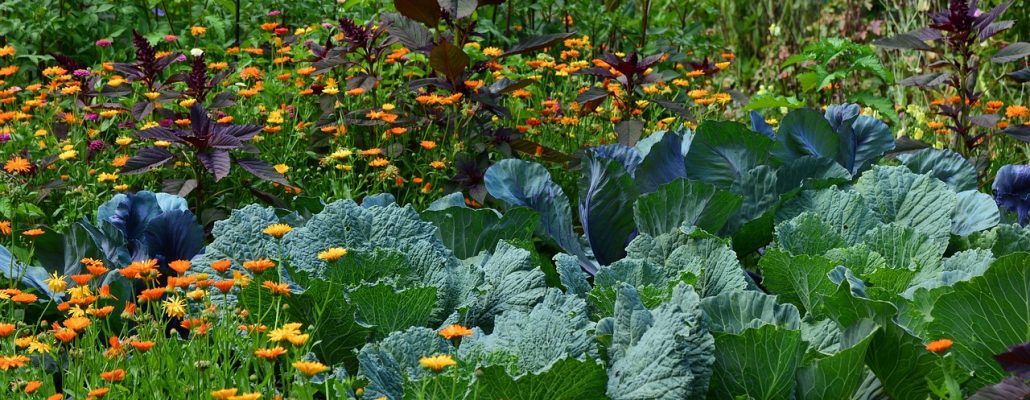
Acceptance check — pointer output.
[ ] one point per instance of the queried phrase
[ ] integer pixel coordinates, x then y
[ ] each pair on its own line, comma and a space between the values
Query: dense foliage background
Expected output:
462, 199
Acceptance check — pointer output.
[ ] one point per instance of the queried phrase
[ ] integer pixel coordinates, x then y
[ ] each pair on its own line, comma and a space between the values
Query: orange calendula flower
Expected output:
33, 386
5, 228
24, 298
141, 346
17, 165
221, 266
437, 363
6, 329
224, 286
65, 335
259, 265
179, 266
77, 324
270, 354
277, 230
454, 331
13, 362
224, 394
1017, 112
99, 392
277, 288
151, 294
33, 232
113, 376
310, 368
939, 345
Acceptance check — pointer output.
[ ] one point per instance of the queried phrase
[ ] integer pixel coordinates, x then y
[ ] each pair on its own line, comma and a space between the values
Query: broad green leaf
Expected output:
758, 192
906, 367
807, 234
986, 315
974, 212
904, 247
684, 203
735, 312
839, 375
567, 379
510, 282
846, 211
945, 165
758, 363
386, 309
899, 195
468, 231
805, 132
722, 152
664, 354
800, 280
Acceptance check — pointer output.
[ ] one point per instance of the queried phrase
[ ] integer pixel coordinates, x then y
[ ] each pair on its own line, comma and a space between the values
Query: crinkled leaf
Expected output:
684, 202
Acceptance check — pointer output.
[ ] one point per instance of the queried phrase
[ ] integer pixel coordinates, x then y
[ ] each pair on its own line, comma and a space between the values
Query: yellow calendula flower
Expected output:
437, 363
68, 155
332, 254
281, 168
56, 284
310, 368
277, 230
174, 307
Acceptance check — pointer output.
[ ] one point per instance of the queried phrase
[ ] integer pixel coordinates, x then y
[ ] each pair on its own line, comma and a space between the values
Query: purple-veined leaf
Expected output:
425, 11
216, 162
1018, 132
534, 43
989, 121
222, 100
986, 19
364, 81
904, 41
540, 151
629, 131
161, 133
1016, 360
222, 141
142, 110
179, 187
262, 170
994, 29
593, 97
1022, 75
241, 132
448, 60
1012, 52
926, 80
146, 160
676, 108
459, 9
410, 33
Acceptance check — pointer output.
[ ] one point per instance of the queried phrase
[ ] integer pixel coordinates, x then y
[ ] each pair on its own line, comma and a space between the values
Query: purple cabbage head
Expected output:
1012, 190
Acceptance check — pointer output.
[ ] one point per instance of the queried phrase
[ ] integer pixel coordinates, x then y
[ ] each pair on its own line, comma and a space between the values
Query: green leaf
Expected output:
845, 211
703, 256
510, 282
919, 201
684, 203
986, 315
336, 334
805, 132
735, 312
904, 370
664, 354
722, 152
945, 165
974, 212
758, 191
387, 310
807, 234
839, 375
903, 247
758, 363
800, 280
552, 383
468, 231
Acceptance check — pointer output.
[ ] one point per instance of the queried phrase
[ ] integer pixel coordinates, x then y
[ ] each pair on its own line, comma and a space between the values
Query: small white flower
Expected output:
196, 52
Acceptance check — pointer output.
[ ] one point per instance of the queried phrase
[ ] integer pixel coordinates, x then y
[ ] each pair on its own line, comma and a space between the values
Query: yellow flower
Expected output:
123, 141
57, 284
246, 396
341, 154
68, 155
174, 307
187, 103
198, 30
437, 363
332, 254
277, 230
106, 177
285, 332
275, 117
162, 143
492, 52
281, 168
310, 368
38, 347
